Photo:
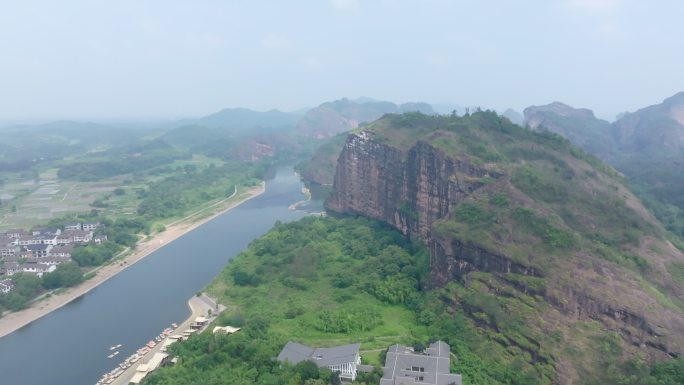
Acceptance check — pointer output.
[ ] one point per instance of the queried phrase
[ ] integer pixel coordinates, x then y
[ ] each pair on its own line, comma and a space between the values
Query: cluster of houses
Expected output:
403, 365
42, 249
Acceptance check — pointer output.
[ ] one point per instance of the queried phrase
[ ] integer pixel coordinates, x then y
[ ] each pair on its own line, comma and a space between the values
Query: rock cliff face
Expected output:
410, 193
415, 187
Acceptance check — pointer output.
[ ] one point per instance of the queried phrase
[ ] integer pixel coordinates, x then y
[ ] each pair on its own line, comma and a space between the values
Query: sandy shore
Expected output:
13, 321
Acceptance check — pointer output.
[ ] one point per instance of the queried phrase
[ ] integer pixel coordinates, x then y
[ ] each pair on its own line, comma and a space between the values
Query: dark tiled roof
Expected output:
76, 233
336, 355
295, 353
37, 247
62, 249
433, 365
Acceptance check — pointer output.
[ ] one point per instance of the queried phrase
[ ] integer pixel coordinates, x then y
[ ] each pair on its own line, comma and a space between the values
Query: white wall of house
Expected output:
347, 370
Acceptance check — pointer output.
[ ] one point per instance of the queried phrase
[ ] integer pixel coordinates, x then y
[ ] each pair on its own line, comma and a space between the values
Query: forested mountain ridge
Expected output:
238, 119
547, 234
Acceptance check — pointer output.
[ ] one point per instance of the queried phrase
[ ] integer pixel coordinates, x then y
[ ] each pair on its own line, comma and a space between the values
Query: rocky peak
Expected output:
579, 125
536, 116
656, 128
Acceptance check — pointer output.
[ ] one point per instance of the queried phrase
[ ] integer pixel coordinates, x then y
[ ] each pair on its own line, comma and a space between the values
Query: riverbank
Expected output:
13, 321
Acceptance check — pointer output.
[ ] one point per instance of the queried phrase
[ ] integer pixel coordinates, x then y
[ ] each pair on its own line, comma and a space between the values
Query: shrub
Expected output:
348, 321
243, 278
473, 214
540, 227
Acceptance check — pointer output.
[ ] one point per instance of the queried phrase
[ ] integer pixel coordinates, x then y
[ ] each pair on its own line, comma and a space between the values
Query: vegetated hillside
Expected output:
244, 119
120, 160
25, 146
227, 144
332, 118
320, 168
540, 244
647, 146
241, 134
514, 116
650, 151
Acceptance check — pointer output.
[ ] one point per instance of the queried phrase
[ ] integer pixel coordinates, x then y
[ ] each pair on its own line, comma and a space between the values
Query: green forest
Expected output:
325, 281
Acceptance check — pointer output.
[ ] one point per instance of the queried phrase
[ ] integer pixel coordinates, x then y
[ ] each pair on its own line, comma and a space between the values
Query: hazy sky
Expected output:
136, 58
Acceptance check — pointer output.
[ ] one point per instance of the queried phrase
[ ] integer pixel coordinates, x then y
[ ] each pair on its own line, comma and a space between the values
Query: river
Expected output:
70, 345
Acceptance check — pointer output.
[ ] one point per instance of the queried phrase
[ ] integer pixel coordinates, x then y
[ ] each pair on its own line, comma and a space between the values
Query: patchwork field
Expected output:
32, 199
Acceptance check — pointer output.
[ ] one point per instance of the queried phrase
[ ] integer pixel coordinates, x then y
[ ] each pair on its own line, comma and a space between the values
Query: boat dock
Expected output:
153, 354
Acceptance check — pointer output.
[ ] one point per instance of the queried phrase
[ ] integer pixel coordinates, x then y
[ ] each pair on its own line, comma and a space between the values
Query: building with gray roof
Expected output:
403, 366
41, 250
342, 359
72, 226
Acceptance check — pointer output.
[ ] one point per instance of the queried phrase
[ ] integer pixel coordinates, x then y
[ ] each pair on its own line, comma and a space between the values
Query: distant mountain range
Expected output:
243, 119
235, 133
646, 145
658, 128
331, 118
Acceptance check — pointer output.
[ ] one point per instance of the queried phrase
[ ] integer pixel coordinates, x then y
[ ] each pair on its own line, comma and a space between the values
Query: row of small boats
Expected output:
111, 376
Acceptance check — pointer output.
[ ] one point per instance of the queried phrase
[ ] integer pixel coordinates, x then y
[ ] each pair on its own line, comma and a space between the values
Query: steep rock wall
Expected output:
409, 191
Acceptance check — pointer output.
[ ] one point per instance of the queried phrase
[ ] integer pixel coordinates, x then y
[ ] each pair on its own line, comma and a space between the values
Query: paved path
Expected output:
68, 191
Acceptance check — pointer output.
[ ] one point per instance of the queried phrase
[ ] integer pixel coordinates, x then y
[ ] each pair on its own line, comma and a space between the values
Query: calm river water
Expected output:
70, 346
